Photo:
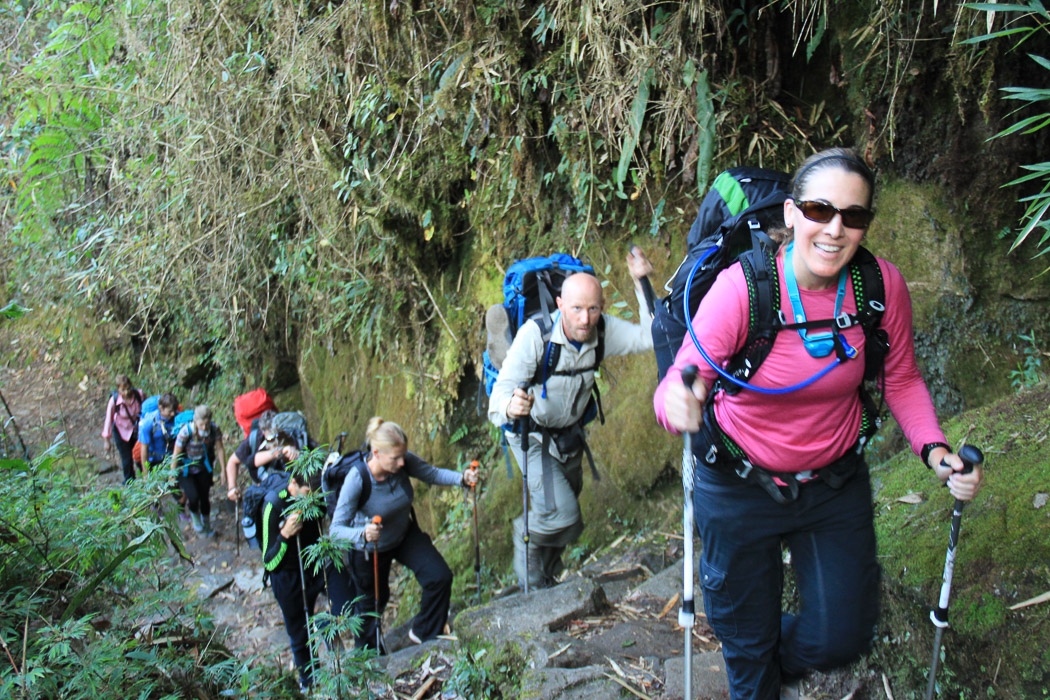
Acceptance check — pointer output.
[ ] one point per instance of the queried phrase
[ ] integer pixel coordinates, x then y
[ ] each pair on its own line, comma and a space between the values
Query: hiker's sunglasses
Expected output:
822, 213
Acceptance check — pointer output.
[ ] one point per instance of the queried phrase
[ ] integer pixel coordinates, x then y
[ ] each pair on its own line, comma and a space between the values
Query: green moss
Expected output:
1003, 551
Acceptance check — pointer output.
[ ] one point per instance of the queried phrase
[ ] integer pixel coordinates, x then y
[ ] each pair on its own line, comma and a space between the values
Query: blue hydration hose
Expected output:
725, 375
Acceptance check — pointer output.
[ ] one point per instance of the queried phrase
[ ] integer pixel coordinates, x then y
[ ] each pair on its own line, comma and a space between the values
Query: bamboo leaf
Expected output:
12, 311
705, 117
1032, 223
635, 119
102, 575
996, 35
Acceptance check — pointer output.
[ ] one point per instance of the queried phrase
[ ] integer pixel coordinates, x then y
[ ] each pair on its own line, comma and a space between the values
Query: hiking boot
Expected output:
792, 691
198, 522
207, 532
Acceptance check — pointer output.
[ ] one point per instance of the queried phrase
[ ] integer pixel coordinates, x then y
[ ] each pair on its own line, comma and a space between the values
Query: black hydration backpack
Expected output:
254, 500
334, 475
731, 225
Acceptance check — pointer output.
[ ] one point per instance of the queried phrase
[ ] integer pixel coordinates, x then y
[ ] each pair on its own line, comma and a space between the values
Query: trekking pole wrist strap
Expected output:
930, 447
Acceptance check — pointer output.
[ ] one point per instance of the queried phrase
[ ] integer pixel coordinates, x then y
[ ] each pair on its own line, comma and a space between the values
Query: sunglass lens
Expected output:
857, 218
822, 213
817, 211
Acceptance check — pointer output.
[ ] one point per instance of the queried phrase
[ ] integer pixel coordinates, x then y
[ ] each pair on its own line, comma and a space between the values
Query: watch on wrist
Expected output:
930, 447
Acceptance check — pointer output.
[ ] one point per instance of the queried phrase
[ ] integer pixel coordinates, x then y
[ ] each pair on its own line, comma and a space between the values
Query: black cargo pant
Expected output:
418, 553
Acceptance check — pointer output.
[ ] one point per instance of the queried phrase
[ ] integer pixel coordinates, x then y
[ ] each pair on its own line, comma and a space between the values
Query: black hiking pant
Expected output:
418, 553
124, 447
197, 488
288, 590
340, 589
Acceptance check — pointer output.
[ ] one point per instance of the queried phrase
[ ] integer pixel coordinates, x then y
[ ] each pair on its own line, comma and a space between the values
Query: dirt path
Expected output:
49, 403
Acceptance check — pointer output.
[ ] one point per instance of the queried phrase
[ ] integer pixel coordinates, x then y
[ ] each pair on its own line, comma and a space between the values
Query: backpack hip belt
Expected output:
719, 451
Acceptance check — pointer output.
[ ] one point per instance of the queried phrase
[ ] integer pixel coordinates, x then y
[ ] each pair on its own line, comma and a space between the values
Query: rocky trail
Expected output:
608, 630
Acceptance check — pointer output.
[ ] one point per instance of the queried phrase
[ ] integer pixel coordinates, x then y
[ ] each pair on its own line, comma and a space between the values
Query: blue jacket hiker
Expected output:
157, 429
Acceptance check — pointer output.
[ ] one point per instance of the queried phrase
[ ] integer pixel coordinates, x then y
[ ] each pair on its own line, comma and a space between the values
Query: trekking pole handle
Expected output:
524, 386
689, 376
970, 456
376, 520
339, 441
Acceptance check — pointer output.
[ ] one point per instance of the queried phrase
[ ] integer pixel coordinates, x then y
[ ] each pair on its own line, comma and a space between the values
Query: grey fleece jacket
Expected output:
391, 499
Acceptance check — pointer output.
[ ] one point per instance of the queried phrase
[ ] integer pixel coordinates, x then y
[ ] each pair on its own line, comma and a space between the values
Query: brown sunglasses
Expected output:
822, 213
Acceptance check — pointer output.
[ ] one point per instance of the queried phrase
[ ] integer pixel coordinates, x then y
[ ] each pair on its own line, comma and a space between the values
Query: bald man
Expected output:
556, 407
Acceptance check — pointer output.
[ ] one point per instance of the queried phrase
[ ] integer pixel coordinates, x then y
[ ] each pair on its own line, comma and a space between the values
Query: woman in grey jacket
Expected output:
398, 536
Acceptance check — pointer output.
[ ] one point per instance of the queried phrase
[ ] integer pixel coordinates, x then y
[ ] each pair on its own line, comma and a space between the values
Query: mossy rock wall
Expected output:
969, 300
1003, 553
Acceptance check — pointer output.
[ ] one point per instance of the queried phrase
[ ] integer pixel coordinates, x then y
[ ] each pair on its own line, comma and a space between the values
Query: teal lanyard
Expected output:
822, 344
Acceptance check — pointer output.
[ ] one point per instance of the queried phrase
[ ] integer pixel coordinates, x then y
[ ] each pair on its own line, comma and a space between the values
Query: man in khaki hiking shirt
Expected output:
556, 408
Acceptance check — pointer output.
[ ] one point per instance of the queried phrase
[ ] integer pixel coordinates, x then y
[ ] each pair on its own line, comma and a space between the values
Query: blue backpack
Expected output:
530, 288
151, 404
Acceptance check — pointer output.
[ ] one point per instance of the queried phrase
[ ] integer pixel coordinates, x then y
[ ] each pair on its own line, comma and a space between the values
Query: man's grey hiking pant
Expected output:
555, 520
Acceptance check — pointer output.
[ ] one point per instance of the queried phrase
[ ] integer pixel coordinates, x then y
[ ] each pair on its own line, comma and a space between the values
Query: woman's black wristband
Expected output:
930, 447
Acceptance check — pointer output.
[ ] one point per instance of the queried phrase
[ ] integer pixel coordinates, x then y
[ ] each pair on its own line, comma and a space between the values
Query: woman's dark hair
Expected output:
124, 383
168, 400
842, 158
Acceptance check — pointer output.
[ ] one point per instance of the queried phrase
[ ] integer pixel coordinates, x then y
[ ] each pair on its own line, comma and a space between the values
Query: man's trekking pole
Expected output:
378, 520
647, 290
237, 526
477, 541
971, 457
686, 616
526, 422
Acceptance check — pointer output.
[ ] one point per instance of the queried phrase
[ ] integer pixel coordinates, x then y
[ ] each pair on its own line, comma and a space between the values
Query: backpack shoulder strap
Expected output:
763, 298
868, 287
869, 290
366, 483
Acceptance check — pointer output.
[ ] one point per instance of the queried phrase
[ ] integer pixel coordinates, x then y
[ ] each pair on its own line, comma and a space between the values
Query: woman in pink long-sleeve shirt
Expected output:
122, 423
802, 480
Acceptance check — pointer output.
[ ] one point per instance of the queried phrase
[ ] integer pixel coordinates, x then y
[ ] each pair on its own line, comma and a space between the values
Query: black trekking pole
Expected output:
526, 423
477, 540
14, 424
971, 457
237, 524
687, 615
647, 290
